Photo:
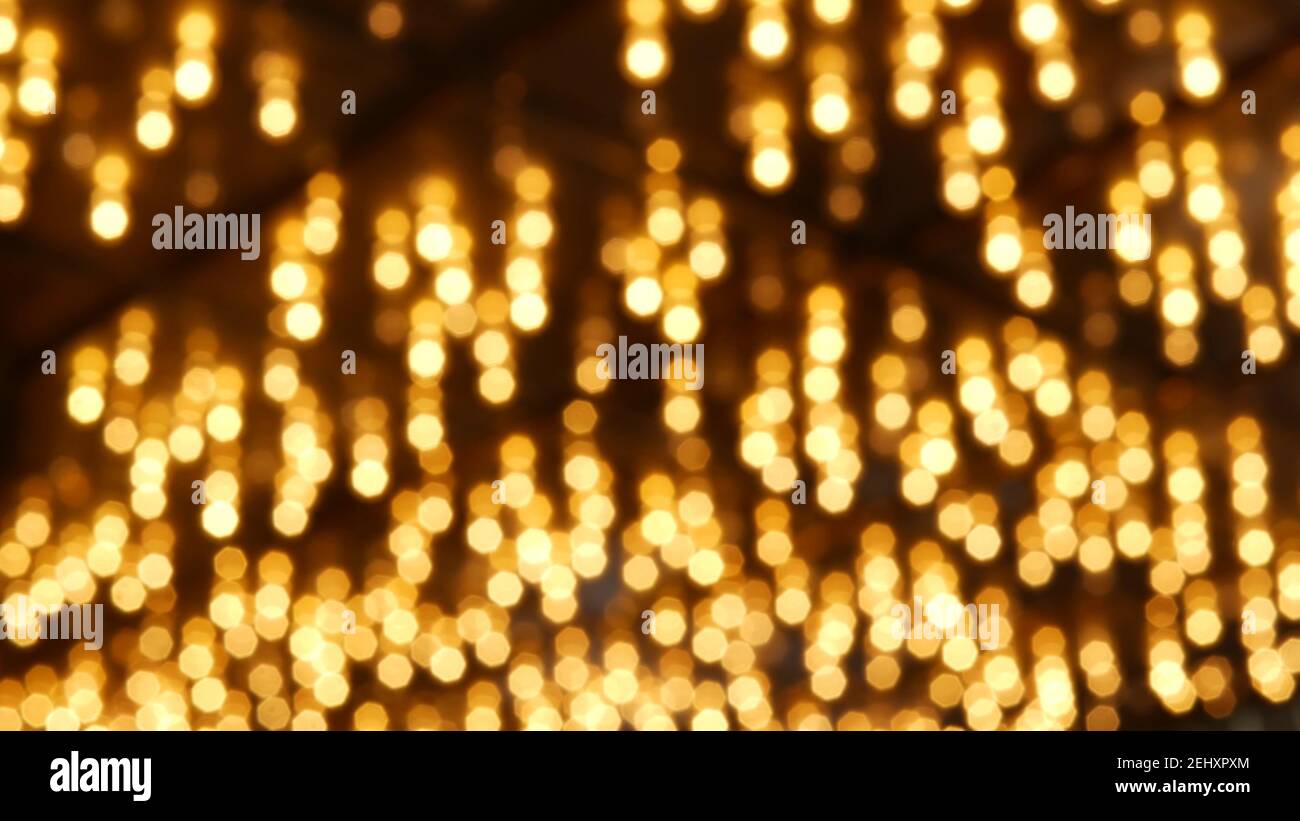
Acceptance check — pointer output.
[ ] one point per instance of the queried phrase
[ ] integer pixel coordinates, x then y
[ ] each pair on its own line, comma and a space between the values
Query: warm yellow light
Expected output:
8, 35
832, 12
771, 168
646, 58
986, 134
1056, 80
85, 404
304, 320
912, 99
193, 79
277, 117
924, 50
36, 96
12, 202
154, 130
1038, 22
768, 39
830, 113
1201, 76
196, 28
109, 219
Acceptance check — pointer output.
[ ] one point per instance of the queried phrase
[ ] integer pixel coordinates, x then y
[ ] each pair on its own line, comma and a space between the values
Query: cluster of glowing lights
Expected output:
154, 128
1199, 72
771, 157
283, 632
646, 55
109, 214
38, 77
767, 30
195, 64
531, 231
1288, 211
918, 53
297, 276
277, 78
1040, 25
678, 246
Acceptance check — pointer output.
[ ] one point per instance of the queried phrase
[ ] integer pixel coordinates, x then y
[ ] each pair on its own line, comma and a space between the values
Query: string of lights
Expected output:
369, 469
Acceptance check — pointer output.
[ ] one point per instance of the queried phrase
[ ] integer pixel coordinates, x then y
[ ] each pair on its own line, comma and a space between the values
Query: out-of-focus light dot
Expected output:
497, 384
224, 423
185, 443
832, 11
1038, 22
154, 130
277, 117
369, 478
1156, 179
304, 320
109, 219
646, 59
8, 35
1226, 248
524, 274
280, 383
1133, 242
385, 20
12, 203
768, 39
193, 80
701, 7
320, 235
534, 228
120, 435
708, 259
491, 348
705, 567
682, 324
424, 431
643, 296
1145, 27
771, 168
913, 99
36, 95
220, 518
111, 172
830, 113
1255, 547
290, 518
962, 190
1205, 202
201, 189
924, 50
1180, 307
1056, 80
434, 242
453, 285
938, 456
1201, 76
665, 225
32, 529
1034, 288
1053, 397
426, 358
528, 311
392, 270
289, 280
986, 134
1003, 251
196, 28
